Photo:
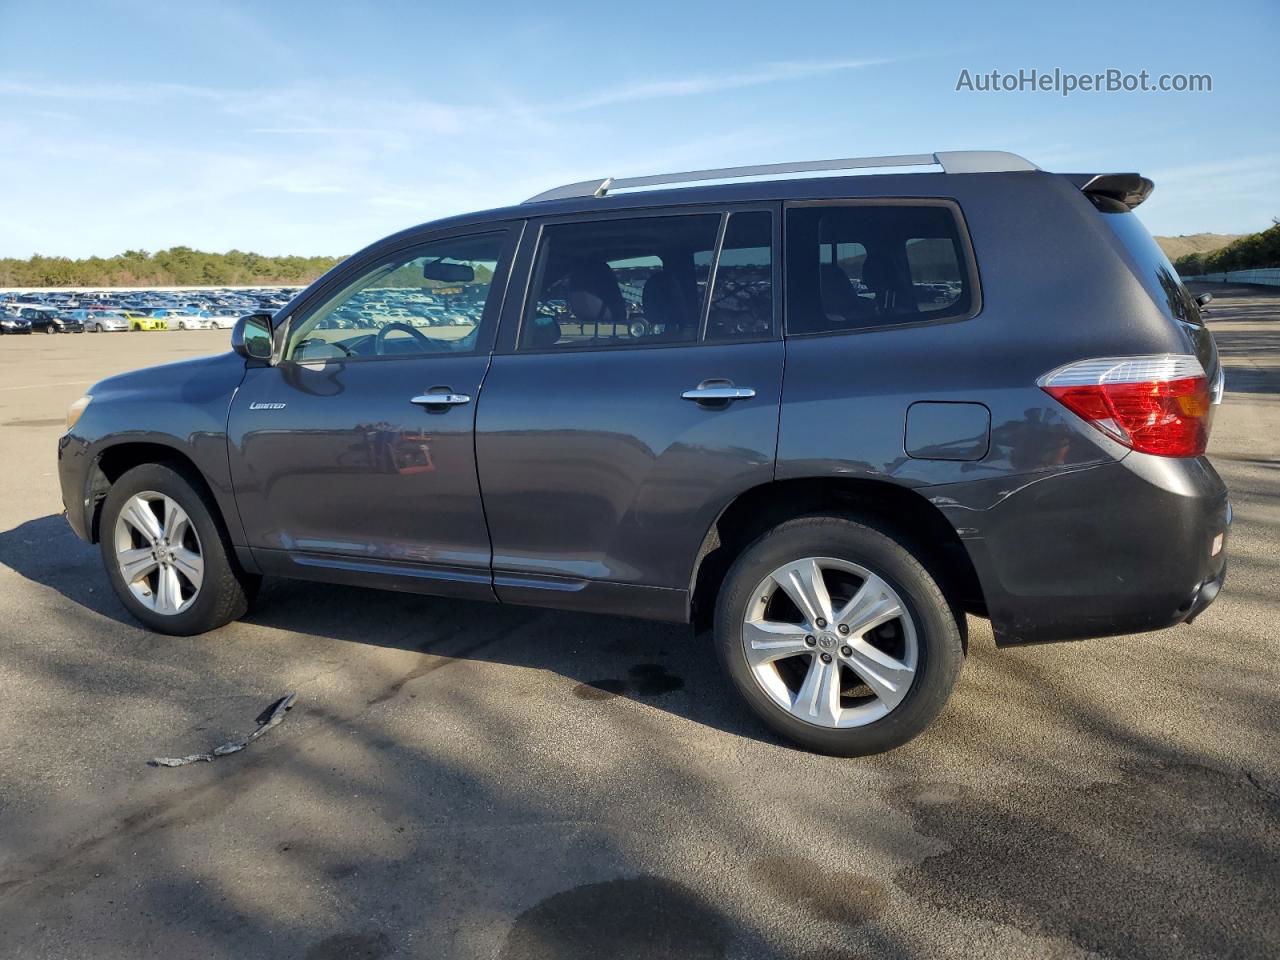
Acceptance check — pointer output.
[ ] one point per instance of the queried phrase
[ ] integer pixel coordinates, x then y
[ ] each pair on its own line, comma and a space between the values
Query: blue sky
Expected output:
317, 127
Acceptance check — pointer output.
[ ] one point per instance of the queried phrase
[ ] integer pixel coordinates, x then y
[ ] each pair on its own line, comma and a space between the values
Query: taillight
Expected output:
1158, 404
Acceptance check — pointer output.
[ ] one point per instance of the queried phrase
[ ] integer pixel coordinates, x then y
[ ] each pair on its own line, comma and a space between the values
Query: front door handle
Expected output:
441, 397
718, 391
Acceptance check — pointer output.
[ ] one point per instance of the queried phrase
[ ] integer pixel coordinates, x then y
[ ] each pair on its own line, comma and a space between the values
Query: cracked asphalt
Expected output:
461, 780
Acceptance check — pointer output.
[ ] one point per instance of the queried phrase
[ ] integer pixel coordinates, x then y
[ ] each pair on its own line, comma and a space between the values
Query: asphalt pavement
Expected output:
464, 780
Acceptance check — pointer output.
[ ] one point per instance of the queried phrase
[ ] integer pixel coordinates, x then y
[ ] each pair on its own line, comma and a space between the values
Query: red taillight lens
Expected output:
1158, 404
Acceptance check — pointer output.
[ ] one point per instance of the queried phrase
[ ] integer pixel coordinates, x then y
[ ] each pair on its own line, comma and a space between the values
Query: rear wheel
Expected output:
167, 556
837, 637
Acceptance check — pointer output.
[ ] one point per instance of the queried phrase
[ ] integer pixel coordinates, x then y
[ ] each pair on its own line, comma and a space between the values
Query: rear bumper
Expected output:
1206, 593
1121, 547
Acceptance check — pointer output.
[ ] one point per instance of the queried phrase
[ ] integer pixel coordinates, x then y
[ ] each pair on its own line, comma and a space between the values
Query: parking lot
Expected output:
468, 780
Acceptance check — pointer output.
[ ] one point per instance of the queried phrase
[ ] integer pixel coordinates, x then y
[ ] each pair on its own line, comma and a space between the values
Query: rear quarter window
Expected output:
1154, 269
857, 266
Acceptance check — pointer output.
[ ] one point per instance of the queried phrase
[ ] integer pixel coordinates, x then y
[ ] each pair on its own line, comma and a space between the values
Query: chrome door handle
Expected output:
719, 392
441, 399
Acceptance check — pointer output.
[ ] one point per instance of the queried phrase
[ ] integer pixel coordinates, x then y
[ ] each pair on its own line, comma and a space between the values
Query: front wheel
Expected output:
167, 556
837, 637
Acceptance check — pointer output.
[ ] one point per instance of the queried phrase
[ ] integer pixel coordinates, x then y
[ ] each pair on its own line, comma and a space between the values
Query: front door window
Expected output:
428, 299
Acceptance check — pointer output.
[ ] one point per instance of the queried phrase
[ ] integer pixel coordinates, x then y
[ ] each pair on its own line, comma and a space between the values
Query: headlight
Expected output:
76, 409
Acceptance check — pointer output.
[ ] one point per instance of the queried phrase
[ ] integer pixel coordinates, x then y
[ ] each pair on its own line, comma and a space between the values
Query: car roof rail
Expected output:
951, 161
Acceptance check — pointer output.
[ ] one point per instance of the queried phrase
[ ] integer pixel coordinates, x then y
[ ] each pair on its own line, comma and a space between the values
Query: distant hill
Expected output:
1188, 243
1259, 250
176, 267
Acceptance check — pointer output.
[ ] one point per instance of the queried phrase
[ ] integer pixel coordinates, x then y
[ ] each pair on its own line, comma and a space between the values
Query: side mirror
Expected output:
251, 336
1203, 299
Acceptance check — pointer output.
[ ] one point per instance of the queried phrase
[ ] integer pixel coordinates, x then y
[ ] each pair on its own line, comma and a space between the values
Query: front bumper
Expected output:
74, 466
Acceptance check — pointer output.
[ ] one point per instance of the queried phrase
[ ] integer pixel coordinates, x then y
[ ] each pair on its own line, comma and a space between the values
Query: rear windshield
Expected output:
1154, 269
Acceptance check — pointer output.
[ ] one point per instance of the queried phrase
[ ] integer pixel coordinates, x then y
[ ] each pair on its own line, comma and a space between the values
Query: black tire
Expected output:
227, 590
940, 652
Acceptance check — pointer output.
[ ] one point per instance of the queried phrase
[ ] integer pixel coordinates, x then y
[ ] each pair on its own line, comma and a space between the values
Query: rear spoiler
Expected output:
1113, 192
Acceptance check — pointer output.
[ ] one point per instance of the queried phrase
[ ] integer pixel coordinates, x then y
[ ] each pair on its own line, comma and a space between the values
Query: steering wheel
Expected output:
379, 342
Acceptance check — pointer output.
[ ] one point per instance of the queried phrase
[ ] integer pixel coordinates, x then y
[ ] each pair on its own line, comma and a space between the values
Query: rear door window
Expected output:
620, 282
742, 300
858, 266
632, 281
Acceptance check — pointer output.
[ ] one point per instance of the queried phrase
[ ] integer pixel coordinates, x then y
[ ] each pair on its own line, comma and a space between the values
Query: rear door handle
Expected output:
718, 391
444, 398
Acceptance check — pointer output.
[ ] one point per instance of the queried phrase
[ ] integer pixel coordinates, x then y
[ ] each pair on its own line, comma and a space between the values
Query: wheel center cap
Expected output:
826, 640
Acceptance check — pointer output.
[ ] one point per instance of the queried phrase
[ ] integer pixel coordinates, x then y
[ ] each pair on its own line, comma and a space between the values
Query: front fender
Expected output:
175, 411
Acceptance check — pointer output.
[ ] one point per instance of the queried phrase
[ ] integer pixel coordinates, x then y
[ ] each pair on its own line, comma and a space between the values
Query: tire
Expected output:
224, 591
50, 329
848, 718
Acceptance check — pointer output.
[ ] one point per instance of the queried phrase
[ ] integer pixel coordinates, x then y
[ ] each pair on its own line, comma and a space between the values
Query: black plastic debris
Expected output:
266, 720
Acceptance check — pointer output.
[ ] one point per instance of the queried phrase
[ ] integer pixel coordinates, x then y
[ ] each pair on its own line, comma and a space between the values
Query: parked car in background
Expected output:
64, 321
41, 317
11, 323
143, 321
104, 321
187, 321
225, 318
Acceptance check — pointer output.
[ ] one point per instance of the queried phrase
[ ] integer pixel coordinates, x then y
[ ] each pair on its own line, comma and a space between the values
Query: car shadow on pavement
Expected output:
395, 826
604, 658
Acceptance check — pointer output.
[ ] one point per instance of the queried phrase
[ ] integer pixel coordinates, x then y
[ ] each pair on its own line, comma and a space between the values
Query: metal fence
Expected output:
1268, 277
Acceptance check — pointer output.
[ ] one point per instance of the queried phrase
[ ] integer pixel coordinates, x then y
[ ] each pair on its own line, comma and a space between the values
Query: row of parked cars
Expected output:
95, 312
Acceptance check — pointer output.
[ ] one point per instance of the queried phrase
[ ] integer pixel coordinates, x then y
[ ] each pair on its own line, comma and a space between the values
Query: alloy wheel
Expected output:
830, 642
159, 553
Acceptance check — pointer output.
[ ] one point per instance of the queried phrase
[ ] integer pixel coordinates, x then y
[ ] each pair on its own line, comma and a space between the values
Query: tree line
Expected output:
175, 267
1255, 251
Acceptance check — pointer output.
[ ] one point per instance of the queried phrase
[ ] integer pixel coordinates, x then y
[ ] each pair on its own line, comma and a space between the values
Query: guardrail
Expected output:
1269, 277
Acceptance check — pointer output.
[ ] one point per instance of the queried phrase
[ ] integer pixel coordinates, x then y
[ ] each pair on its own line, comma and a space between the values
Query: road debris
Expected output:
266, 720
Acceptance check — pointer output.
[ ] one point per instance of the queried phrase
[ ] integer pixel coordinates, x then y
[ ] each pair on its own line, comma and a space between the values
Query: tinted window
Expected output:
742, 301
617, 283
425, 300
860, 265
1154, 268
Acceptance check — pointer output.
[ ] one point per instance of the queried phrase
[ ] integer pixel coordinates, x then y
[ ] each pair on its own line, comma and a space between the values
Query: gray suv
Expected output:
827, 416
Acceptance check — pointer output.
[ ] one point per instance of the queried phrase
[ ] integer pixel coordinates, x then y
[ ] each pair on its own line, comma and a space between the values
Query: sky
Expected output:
317, 127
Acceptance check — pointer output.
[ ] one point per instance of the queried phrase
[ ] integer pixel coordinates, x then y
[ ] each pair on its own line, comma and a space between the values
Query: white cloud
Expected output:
709, 83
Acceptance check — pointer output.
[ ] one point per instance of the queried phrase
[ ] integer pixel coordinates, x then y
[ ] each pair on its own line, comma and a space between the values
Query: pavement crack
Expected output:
1258, 785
